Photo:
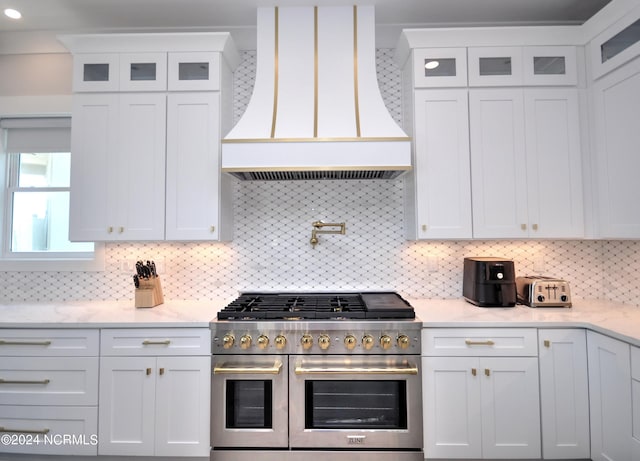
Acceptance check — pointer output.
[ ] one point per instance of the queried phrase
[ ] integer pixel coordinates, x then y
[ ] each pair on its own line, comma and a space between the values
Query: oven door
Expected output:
353, 402
249, 401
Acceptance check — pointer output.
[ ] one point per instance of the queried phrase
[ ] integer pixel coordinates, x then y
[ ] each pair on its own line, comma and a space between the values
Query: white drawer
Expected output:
477, 342
49, 430
49, 381
49, 342
156, 341
635, 362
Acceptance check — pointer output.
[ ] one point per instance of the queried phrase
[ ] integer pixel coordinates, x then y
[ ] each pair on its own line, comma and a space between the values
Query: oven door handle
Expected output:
407, 370
248, 370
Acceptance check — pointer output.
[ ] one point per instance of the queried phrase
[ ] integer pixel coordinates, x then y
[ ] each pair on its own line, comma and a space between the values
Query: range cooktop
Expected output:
321, 306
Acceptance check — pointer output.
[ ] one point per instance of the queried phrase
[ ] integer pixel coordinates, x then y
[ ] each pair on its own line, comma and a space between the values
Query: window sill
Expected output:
96, 264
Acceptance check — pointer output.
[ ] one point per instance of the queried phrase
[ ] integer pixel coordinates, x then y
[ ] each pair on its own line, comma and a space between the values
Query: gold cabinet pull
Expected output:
546, 343
225, 368
213, 228
120, 229
4, 342
149, 342
408, 370
24, 381
161, 371
24, 431
470, 342
109, 229
424, 228
148, 371
487, 372
474, 372
523, 227
534, 227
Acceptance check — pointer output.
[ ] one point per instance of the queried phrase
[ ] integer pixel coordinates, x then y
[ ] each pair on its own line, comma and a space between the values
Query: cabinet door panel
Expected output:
554, 165
193, 164
564, 394
138, 193
127, 398
94, 140
616, 102
443, 191
182, 406
451, 407
498, 164
511, 408
609, 398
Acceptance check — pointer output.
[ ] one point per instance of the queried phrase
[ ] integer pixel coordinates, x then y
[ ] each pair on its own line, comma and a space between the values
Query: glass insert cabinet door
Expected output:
440, 67
495, 66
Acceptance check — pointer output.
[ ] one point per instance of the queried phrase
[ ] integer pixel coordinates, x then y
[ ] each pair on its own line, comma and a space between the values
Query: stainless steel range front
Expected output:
334, 376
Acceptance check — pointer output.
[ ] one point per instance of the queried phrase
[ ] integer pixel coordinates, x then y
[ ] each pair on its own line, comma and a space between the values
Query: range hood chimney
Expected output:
316, 111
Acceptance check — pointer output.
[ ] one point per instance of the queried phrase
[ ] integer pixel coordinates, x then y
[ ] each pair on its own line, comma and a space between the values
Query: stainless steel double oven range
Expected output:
334, 376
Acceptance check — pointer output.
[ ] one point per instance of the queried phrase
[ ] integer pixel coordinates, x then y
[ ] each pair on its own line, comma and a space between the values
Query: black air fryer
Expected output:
489, 282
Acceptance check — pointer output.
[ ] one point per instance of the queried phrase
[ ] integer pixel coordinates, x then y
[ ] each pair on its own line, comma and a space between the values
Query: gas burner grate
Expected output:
304, 306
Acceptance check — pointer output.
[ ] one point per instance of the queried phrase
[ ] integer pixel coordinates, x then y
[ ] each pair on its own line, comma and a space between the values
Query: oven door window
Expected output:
249, 404
343, 404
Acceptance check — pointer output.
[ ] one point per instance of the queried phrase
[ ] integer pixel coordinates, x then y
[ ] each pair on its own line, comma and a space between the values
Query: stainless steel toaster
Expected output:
542, 291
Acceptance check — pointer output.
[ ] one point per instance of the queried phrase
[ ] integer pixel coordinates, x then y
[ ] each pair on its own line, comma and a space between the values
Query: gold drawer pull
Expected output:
225, 368
148, 342
547, 343
19, 381
487, 372
488, 342
474, 372
4, 342
24, 431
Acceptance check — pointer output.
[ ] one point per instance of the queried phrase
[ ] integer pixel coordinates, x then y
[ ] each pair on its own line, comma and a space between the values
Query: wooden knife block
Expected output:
149, 294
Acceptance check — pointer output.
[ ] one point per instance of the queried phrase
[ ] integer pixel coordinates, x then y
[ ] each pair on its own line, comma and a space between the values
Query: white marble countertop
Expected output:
618, 320
614, 319
109, 314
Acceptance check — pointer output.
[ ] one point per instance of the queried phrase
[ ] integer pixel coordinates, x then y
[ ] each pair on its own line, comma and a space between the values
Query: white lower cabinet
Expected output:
155, 405
610, 398
480, 406
49, 391
564, 393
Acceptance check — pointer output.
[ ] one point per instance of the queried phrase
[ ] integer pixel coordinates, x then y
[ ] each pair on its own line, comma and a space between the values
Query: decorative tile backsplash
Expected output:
271, 249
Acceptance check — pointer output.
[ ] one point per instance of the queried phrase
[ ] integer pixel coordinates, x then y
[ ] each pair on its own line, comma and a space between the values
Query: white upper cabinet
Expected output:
525, 163
441, 206
440, 67
616, 101
617, 45
142, 170
549, 65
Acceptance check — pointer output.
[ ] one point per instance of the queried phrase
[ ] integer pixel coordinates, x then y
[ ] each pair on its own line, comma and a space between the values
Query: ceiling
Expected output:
43, 19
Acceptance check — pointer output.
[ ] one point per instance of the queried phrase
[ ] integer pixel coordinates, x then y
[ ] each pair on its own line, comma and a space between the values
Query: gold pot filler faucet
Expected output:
317, 229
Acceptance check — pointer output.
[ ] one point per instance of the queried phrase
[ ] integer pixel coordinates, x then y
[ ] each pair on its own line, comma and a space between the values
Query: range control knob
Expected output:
280, 341
263, 342
403, 341
540, 298
385, 342
306, 341
228, 340
350, 342
564, 298
245, 342
367, 342
324, 342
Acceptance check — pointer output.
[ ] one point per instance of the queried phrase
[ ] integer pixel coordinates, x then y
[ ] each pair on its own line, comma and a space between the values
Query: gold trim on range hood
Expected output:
340, 157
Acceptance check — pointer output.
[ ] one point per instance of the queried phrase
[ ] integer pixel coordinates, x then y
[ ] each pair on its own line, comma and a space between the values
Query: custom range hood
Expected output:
316, 111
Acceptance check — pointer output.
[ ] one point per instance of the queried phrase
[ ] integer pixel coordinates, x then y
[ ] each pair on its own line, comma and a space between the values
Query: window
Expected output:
35, 166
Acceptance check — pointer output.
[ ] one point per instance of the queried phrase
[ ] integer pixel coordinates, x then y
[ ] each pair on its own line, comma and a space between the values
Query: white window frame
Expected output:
37, 262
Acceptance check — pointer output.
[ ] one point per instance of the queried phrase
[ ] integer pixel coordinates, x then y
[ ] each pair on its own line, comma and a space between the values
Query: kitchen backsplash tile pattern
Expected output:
271, 249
